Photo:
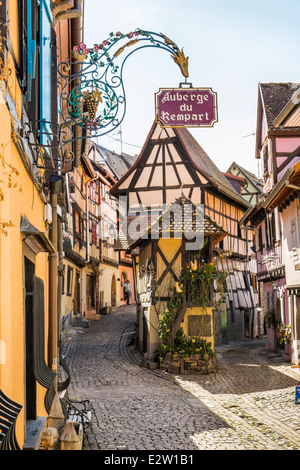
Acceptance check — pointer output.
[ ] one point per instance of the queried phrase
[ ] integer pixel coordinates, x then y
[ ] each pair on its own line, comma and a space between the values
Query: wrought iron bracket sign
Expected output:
93, 99
186, 107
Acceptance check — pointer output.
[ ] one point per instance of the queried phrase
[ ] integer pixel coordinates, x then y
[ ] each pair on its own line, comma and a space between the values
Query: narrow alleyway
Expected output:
247, 405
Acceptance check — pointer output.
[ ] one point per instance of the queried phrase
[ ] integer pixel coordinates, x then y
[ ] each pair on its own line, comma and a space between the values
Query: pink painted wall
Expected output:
287, 144
289, 165
273, 251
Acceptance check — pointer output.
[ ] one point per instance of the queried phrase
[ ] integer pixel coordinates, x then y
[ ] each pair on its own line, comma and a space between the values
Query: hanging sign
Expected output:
186, 107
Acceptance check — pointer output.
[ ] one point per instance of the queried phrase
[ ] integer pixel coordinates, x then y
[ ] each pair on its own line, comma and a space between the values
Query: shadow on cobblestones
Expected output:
249, 368
135, 408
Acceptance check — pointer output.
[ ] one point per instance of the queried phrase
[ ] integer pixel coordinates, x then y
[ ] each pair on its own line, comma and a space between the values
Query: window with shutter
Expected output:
94, 231
260, 240
298, 223
293, 233
31, 49
45, 44
103, 191
93, 192
277, 224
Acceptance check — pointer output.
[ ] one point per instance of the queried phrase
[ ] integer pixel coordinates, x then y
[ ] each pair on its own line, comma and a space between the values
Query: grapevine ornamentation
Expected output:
92, 90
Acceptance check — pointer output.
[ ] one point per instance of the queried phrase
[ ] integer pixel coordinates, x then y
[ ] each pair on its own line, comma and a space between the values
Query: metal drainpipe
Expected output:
60, 279
88, 219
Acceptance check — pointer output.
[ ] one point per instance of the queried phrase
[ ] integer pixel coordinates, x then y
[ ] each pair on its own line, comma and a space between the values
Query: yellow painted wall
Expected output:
198, 311
16, 204
169, 248
67, 301
13, 29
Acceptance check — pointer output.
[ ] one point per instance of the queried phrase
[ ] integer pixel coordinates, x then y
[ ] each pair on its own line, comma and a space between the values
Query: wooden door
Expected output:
29, 346
113, 291
77, 293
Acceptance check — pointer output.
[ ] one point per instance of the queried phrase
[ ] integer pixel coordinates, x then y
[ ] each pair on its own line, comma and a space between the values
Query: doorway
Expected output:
145, 330
77, 307
29, 352
113, 291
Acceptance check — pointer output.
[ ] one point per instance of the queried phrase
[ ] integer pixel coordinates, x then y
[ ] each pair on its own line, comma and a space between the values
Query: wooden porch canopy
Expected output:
167, 225
285, 191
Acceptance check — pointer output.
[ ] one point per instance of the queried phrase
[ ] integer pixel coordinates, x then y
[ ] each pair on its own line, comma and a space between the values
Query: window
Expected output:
94, 231
45, 72
103, 191
93, 192
270, 230
78, 225
63, 280
260, 240
293, 233
265, 158
277, 225
69, 280
239, 231
298, 224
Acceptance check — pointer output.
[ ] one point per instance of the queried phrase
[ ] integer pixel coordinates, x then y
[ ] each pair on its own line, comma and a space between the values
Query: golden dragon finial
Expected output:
178, 57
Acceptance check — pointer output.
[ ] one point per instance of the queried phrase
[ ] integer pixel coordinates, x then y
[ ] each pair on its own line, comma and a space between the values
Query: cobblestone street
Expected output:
248, 405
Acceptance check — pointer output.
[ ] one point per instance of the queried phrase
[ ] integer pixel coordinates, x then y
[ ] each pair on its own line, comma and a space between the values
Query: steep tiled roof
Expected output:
200, 161
275, 97
204, 163
118, 163
251, 176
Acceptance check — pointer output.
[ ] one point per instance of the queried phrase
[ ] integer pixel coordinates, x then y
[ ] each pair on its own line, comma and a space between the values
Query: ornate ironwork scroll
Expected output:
9, 412
93, 98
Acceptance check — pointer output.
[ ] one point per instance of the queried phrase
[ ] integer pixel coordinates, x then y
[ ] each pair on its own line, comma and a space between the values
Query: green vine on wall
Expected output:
198, 279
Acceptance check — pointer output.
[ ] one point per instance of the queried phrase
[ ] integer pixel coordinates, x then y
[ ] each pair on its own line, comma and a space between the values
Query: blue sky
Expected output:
232, 46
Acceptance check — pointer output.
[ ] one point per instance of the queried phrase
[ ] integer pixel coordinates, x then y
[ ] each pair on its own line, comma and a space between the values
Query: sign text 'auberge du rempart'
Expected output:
186, 107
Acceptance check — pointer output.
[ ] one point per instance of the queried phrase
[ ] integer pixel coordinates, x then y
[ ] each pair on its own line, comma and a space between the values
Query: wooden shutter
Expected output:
293, 233
94, 231
45, 71
31, 50
260, 241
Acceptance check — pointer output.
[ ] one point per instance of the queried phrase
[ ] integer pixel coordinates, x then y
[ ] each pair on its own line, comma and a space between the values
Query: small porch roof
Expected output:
194, 218
284, 189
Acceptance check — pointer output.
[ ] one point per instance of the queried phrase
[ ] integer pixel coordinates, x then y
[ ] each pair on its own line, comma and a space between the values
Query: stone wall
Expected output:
190, 365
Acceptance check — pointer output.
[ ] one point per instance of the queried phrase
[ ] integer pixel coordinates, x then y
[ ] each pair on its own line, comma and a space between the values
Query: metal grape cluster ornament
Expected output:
93, 99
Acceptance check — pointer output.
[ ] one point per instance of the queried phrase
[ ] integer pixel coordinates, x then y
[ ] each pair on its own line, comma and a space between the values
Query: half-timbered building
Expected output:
116, 267
275, 216
173, 165
251, 189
